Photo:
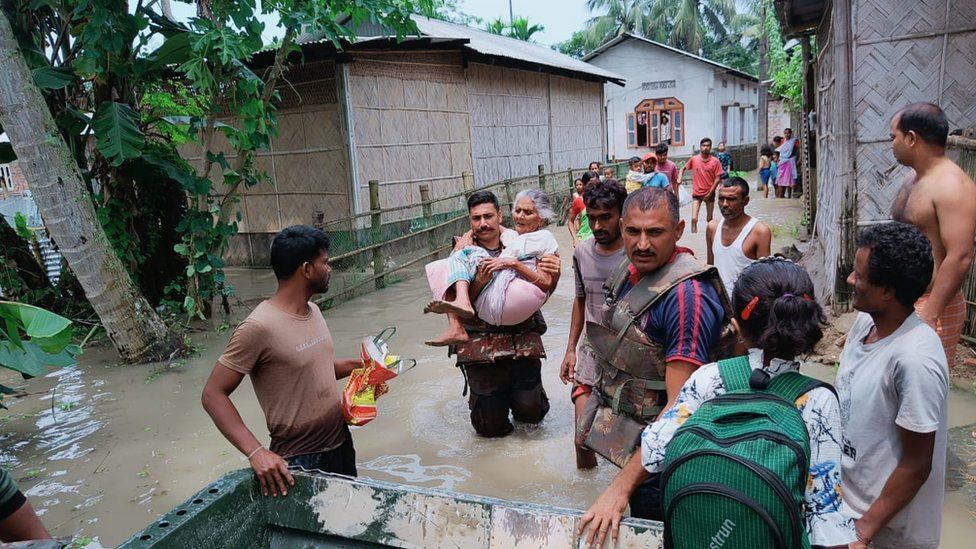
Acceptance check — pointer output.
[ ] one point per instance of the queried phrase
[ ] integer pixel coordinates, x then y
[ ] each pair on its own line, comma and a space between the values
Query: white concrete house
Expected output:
673, 96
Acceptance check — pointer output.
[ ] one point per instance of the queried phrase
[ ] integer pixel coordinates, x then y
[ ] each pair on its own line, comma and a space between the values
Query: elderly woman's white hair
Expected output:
541, 201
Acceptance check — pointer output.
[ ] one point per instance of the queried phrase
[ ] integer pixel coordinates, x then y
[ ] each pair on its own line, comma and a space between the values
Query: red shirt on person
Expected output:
703, 173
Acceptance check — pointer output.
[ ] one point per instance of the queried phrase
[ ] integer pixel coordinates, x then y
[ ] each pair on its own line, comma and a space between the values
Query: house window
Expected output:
725, 83
6, 181
656, 121
742, 87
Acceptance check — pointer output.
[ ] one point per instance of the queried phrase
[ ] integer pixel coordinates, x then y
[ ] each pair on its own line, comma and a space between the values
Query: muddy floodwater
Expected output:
101, 450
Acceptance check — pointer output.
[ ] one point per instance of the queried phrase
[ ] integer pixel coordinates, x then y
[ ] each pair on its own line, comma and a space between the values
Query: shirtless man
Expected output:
737, 239
940, 199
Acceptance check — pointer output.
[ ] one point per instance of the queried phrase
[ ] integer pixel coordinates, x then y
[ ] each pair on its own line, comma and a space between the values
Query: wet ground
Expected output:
102, 450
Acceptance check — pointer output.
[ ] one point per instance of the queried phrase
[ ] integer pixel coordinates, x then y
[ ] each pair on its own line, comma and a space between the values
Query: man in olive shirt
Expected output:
286, 348
18, 521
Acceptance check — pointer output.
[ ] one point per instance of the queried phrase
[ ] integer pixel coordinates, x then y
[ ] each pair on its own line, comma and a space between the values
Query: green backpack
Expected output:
735, 473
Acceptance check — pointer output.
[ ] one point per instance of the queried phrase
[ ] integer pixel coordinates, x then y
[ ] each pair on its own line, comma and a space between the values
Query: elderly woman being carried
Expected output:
516, 289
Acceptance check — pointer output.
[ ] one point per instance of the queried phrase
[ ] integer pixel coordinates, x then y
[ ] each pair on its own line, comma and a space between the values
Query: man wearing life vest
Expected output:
665, 315
502, 365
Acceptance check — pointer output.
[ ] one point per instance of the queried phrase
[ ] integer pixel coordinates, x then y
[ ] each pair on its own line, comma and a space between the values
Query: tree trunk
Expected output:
136, 330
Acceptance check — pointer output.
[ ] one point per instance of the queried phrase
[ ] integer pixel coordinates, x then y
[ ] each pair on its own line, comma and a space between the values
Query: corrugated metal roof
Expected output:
486, 43
602, 49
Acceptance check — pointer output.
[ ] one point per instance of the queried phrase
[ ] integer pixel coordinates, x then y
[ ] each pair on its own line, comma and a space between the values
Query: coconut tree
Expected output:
496, 26
617, 17
685, 23
522, 29
62, 197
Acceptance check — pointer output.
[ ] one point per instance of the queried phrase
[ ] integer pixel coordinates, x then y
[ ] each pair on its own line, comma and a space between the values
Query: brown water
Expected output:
107, 449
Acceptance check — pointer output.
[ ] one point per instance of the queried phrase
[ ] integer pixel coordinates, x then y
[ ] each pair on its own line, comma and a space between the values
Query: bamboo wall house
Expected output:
424, 110
870, 61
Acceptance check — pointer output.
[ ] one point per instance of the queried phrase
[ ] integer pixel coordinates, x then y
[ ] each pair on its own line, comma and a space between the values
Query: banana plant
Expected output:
32, 340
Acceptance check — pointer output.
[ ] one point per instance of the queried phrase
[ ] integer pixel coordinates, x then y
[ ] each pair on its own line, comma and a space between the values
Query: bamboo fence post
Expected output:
569, 174
428, 215
509, 199
467, 179
376, 230
542, 178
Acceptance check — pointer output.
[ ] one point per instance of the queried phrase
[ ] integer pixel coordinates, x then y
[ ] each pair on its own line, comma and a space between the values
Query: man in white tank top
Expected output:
736, 239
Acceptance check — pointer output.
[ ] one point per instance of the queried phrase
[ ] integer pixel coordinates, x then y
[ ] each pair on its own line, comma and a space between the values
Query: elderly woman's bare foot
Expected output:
449, 307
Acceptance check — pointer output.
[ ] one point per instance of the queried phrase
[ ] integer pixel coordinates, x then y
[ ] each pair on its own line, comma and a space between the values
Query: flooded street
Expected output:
102, 450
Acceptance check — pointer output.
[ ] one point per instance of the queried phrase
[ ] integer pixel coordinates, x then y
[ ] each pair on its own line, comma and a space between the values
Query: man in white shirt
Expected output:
737, 239
893, 385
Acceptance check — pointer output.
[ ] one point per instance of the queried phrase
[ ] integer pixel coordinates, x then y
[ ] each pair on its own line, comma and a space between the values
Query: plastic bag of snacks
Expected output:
368, 383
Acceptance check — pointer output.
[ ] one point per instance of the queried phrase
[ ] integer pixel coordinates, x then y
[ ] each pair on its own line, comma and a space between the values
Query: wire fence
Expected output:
390, 242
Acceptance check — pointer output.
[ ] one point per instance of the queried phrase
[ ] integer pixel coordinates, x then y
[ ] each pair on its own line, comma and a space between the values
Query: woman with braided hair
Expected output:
778, 320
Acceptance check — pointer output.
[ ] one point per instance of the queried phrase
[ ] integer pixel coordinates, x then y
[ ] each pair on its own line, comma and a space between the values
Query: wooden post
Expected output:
572, 187
376, 231
467, 179
542, 177
509, 198
428, 215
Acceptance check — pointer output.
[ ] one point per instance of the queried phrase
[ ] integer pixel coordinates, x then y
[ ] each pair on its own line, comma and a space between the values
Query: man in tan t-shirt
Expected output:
286, 348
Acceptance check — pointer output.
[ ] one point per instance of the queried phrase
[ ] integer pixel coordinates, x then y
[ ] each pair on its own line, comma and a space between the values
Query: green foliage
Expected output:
32, 339
198, 81
575, 46
169, 107
450, 11
496, 26
53, 78
20, 225
785, 68
522, 29
117, 133
710, 28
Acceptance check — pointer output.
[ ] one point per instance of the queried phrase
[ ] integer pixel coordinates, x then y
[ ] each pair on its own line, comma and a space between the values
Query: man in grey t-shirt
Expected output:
893, 385
594, 260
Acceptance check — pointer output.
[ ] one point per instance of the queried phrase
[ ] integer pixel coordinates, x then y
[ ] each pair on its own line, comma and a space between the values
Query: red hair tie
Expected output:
751, 306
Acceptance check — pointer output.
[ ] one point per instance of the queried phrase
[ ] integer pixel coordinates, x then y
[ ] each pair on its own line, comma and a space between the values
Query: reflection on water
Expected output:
408, 469
106, 449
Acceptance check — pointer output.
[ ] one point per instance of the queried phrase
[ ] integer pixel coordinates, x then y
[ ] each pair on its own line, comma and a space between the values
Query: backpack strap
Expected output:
792, 385
735, 373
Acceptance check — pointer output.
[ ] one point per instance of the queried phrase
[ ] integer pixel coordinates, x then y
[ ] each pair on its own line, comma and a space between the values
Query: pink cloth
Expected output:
437, 273
522, 298
784, 172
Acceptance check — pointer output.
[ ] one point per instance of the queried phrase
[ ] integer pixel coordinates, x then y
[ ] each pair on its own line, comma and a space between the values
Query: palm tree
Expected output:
522, 30
496, 26
689, 21
619, 17
59, 189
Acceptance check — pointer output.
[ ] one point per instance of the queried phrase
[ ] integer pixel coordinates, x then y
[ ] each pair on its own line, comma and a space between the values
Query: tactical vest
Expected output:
630, 392
492, 343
